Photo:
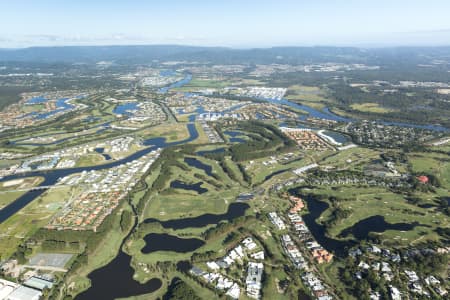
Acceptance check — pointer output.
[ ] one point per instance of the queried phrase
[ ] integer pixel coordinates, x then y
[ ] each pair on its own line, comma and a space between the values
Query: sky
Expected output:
231, 23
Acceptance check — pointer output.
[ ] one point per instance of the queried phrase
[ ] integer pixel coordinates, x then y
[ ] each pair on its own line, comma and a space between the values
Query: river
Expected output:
326, 114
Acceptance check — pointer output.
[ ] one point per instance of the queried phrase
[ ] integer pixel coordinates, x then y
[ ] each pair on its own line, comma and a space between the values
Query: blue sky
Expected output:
244, 23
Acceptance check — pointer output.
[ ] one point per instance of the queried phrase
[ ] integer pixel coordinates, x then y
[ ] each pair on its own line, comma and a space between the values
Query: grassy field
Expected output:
178, 203
308, 95
248, 81
173, 132
184, 118
432, 163
33, 216
371, 108
32, 108
364, 202
166, 278
20, 183
59, 135
351, 159
259, 171
8, 197
202, 137
90, 159
10, 190
104, 253
184, 204
198, 84
273, 269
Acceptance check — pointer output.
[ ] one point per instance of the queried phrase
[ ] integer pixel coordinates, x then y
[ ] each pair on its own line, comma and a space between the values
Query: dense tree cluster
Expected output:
126, 220
265, 140
225, 227
180, 290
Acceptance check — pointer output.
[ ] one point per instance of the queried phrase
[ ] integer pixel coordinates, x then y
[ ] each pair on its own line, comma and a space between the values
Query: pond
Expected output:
315, 209
363, 228
340, 138
101, 151
275, 173
214, 151
234, 136
126, 109
235, 210
115, 280
193, 162
177, 184
360, 230
166, 242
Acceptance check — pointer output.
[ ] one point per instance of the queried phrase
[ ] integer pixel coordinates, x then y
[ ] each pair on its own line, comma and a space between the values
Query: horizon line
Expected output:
354, 46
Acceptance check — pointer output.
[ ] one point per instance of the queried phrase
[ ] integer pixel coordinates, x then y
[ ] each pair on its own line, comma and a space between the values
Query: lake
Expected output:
126, 108
193, 162
166, 242
363, 228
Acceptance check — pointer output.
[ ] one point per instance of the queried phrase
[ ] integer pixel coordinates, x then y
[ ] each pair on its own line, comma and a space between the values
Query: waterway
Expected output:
177, 84
62, 105
52, 176
326, 114
166, 242
115, 280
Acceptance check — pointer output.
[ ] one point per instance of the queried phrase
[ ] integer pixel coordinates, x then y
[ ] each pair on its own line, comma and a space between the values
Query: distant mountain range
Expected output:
220, 55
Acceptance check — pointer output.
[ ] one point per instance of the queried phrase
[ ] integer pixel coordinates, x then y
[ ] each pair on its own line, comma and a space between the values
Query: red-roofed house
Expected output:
423, 179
